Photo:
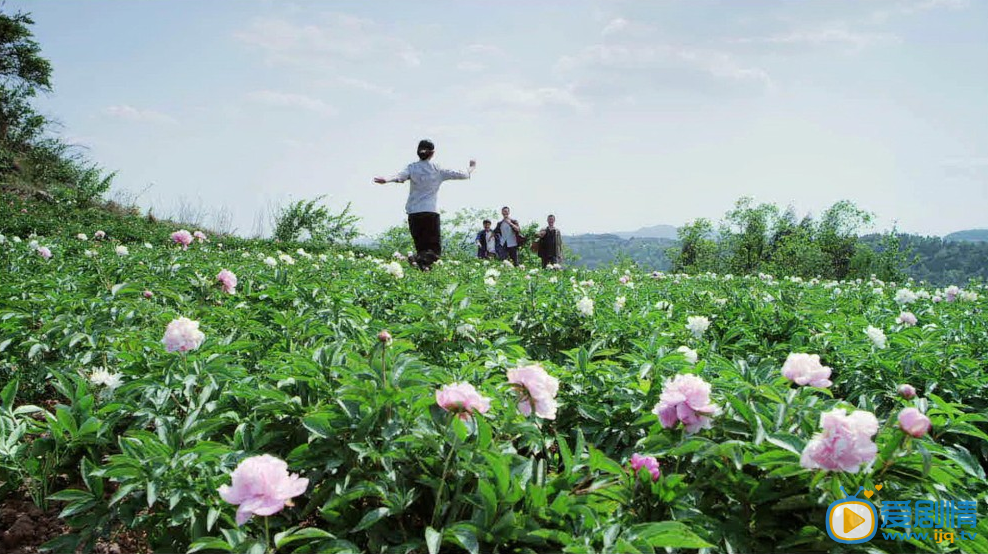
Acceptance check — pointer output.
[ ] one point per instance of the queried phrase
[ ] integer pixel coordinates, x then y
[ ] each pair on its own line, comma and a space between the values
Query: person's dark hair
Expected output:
550, 215
487, 221
426, 149
505, 208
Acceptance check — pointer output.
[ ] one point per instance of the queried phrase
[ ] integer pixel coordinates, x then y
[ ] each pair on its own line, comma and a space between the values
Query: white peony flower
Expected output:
877, 336
905, 296
688, 353
101, 376
394, 269
697, 324
585, 306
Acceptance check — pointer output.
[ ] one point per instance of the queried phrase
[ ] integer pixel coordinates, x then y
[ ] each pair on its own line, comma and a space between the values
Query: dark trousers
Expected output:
509, 253
549, 260
424, 227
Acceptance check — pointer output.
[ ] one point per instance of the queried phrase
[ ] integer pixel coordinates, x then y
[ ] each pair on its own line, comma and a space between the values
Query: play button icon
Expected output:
851, 520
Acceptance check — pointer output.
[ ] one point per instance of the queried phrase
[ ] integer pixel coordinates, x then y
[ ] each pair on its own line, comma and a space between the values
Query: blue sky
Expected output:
612, 114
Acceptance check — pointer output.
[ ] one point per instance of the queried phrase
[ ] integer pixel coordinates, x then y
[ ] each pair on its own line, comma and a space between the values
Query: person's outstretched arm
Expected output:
399, 177
449, 174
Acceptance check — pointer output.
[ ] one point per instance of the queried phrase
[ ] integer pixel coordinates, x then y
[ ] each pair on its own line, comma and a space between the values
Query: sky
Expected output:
611, 114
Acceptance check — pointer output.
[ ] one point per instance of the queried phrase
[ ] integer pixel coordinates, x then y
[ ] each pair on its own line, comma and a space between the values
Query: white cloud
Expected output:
471, 66
966, 166
488, 50
836, 34
630, 57
509, 95
615, 26
915, 7
292, 100
129, 113
327, 41
477, 57
365, 86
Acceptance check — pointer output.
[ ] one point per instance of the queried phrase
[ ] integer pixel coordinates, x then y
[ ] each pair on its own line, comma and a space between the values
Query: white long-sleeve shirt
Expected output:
426, 177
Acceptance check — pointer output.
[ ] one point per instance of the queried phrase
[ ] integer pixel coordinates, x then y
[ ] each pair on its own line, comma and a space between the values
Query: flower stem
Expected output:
267, 536
442, 482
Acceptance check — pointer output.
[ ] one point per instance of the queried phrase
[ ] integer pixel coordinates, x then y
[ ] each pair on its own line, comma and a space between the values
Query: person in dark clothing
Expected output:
550, 243
486, 241
423, 217
509, 237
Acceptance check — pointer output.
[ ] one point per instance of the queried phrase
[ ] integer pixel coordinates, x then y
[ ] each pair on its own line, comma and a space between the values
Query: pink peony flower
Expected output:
686, 399
183, 335
261, 486
200, 236
648, 462
462, 399
913, 422
907, 391
148, 294
806, 369
537, 390
845, 442
44, 252
99, 235
951, 293
384, 336
907, 318
229, 281
624, 279
182, 237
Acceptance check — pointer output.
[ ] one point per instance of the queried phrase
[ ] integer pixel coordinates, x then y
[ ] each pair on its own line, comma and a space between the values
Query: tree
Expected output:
838, 233
745, 233
697, 251
23, 72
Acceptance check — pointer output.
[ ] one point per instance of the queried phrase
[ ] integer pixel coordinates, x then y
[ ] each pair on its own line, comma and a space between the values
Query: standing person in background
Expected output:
486, 242
423, 217
550, 243
508, 236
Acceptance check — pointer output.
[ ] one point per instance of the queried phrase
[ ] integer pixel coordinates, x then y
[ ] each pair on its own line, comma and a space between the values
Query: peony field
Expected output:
187, 395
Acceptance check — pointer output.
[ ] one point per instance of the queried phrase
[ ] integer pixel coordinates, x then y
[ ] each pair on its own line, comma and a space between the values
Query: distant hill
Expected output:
599, 250
969, 235
653, 232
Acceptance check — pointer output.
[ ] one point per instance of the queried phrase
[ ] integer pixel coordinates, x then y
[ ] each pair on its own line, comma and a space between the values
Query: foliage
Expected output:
762, 238
29, 158
317, 221
292, 367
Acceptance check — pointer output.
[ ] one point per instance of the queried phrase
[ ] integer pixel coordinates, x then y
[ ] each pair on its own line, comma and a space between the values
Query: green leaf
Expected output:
791, 443
319, 425
210, 543
152, 493
77, 507
968, 463
295, 534
71, 495
370, 518
433, 539
600, 462
466, 535
8, 393
668, 534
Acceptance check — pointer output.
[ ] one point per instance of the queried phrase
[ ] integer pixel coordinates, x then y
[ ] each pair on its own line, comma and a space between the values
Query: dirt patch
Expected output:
26, 527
